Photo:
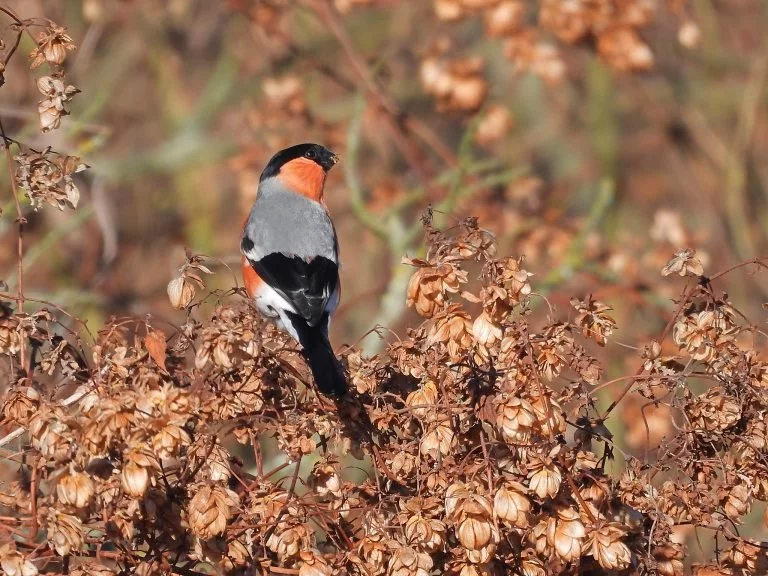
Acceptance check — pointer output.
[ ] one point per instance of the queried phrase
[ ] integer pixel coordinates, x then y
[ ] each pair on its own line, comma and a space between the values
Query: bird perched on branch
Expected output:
291, 256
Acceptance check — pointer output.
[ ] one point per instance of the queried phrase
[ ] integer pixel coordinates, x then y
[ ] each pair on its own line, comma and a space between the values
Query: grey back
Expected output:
286, 222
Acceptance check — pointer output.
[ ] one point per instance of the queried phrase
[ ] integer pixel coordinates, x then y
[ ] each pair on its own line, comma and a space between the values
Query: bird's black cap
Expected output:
315, 152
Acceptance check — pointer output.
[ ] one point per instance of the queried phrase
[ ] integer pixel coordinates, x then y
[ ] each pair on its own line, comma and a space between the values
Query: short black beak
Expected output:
329, 160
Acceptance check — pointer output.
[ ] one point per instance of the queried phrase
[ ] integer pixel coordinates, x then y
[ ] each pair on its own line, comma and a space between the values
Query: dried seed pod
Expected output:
422, 400
75, 489
747, 556
66, 534
374, 554
736, 501
52, 108
50, 434
209, 510
485, 332
512, 506
684, 263
425, 533
52, 46
453, 329
406, 561
21, 404
169, 440
287, 542
593, 320
566, 533
550, 416
313, 564
605, 545
429, 287
669, 559
545, 478
181, 292
439, 439
326, 479
138, 473
475, 526
13, 562
715, 411
515, 418
46, 177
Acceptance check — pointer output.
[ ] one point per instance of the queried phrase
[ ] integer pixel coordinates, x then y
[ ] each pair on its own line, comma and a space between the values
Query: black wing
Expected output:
306, 285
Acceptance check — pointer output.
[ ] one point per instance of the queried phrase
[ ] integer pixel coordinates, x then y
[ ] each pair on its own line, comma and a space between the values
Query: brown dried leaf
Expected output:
156, 345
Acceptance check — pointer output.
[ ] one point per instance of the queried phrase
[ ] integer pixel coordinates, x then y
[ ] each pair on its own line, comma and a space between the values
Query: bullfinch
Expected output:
290, 256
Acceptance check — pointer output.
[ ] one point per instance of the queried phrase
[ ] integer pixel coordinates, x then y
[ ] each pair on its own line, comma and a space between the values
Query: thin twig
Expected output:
33, 500
576, 494
14, 46
295, 476
11, 15
684, 299
400, 126
20, 221
71, 399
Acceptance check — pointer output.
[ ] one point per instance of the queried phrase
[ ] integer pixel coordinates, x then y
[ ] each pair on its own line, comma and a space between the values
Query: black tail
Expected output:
326, 369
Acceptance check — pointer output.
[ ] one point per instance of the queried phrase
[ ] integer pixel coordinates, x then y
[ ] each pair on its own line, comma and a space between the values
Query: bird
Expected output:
290, 256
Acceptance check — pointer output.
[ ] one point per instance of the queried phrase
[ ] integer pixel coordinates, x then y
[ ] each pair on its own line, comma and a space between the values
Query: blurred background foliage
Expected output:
595, 158
595, 174
594, 144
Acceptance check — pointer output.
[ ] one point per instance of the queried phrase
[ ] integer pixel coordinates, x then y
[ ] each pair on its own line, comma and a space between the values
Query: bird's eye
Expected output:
310, 154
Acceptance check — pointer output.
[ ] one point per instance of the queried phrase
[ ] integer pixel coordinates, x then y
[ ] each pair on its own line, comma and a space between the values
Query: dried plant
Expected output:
483, 447
488, 454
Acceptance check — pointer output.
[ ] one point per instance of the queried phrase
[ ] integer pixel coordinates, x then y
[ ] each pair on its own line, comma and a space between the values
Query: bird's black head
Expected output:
316, 153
